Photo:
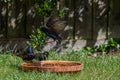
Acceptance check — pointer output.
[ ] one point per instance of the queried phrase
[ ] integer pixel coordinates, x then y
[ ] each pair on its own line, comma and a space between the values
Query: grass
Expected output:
95, 68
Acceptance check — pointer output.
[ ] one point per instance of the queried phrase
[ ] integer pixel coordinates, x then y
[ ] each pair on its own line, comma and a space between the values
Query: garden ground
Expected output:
105, 67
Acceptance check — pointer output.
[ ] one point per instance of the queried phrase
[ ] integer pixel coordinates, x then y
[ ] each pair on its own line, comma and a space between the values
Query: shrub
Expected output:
37, 38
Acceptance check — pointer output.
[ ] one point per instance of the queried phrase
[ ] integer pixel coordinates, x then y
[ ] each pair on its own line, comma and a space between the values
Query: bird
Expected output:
55, 23
54, 26
51, 34
41, 56
28, 54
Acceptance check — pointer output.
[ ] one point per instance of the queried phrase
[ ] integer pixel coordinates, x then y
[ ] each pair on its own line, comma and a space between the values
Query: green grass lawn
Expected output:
95, 68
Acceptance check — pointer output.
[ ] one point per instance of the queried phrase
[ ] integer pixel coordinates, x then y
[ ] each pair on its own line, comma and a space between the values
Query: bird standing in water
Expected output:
29, 55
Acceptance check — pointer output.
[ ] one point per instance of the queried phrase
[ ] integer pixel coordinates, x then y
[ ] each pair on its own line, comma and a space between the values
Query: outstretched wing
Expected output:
54, 23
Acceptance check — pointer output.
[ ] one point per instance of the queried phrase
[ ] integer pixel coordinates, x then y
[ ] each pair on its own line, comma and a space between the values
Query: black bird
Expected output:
51, 34
54, 27
42, 56
28, 54
29, 50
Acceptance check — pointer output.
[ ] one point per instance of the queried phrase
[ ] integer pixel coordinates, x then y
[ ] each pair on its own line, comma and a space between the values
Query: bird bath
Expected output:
52, 66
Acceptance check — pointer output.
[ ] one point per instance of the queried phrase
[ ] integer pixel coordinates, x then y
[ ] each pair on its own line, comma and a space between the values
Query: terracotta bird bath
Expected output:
52, 66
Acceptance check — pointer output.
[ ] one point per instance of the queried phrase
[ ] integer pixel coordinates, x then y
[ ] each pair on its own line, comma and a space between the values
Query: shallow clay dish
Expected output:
52, 66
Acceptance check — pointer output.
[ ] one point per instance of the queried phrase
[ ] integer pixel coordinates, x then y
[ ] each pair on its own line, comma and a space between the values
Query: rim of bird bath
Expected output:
52, 66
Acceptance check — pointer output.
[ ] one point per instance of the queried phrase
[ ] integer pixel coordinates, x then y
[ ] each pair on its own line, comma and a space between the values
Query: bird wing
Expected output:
55, 24
58, 26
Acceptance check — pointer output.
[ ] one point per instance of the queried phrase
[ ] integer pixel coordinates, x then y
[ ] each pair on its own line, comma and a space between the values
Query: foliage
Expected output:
91, 50
37, 38
102, 48
46, 7
62, 13
113, 45
114, 42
